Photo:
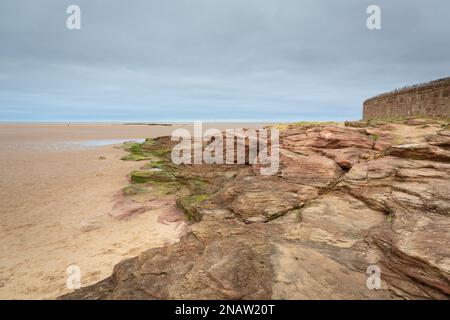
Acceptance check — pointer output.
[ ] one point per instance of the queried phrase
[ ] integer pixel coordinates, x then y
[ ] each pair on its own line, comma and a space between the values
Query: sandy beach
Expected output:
52, 190
58, 184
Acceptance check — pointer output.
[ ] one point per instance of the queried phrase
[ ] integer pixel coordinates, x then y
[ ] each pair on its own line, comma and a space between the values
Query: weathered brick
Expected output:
426, 100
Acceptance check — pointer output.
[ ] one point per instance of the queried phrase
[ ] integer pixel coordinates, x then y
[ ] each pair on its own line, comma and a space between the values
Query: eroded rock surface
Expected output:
345, 198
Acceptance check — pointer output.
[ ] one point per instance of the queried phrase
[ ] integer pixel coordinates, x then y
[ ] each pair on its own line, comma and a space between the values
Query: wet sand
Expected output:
57, 188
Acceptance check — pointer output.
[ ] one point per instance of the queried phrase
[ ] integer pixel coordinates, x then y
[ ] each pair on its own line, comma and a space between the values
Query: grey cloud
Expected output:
213, 59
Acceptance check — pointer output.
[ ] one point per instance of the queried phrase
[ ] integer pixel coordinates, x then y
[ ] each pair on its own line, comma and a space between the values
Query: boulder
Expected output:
419, 151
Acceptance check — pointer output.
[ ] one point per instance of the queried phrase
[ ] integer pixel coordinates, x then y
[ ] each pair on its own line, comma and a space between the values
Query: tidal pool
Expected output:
105, 142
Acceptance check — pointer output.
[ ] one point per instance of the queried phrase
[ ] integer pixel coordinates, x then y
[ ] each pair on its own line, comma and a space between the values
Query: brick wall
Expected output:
427, 100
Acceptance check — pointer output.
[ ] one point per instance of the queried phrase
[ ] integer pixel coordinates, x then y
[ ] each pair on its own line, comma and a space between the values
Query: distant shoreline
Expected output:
166, 124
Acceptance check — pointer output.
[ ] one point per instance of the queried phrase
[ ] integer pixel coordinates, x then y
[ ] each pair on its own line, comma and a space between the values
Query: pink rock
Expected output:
127, 208
171, 214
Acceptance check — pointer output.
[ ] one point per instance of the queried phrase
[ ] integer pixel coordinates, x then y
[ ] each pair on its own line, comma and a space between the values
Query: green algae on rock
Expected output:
143, 176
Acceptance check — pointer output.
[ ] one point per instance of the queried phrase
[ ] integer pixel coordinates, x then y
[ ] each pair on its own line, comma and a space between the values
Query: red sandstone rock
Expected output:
420, 151
441, 139
126, 209
330, 138
309, 232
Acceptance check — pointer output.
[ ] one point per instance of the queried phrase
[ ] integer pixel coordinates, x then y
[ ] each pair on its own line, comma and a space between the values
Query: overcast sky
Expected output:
163, 60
